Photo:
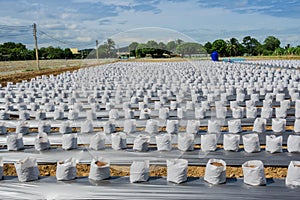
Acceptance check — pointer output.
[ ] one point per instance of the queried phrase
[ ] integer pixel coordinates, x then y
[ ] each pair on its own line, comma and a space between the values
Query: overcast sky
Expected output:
78, 23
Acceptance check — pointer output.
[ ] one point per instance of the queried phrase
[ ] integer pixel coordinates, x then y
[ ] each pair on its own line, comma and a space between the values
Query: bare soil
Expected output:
155, 170
20, 76
217, 164
100, 164
17, 71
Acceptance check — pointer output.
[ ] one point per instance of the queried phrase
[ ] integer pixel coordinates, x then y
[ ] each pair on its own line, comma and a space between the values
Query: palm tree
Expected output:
109, 46
233, 47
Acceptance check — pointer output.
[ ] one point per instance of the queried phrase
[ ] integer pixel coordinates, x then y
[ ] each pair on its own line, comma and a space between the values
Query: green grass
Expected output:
29, 70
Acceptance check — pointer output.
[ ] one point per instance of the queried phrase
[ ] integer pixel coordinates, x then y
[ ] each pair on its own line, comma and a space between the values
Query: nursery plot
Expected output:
141, 112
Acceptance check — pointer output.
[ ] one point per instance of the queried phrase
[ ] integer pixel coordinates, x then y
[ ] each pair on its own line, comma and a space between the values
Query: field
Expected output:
16, 71
25, 70
172, 92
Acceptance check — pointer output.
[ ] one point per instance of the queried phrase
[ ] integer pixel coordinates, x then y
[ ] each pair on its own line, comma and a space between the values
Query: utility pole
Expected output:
97, 50
36, 47
118, 54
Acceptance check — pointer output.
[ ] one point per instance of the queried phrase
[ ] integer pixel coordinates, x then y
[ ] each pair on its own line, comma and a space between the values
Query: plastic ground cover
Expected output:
126, 157
155, 188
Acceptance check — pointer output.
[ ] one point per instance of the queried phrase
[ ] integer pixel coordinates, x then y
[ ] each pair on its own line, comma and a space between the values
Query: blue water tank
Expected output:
215, 56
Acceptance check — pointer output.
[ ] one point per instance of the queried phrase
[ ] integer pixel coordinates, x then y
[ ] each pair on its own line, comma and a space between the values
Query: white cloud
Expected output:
206, 23
83, 39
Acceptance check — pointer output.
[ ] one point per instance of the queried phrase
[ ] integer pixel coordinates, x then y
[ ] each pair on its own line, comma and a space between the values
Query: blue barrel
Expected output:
215, 56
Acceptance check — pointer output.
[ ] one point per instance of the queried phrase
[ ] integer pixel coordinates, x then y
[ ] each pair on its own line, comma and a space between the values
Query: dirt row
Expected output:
20, 76
155, 170
17, 71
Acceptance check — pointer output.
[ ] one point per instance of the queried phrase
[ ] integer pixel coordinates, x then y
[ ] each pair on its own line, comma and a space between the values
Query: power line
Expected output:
24, 31
14, 27
53, 38
46, 35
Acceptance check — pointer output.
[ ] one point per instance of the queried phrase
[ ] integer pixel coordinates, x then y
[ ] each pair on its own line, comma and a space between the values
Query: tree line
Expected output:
11, 51
149, 49
249, 46
160, 49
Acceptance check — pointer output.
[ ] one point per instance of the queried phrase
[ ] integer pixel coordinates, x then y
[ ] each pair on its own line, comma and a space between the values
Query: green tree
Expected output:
14, 51
208, 47
171, 46
251, 46
140, 50
162, 46
297, 50
220, 46
108, 49
233, 47
279, 51
271, 43
179, 42
189, 48
289, 50
152, 44
133, 46
68, 53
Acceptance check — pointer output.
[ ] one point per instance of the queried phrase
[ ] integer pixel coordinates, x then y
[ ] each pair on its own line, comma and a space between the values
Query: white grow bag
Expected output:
273, 143
66, 170
251, 143
145, 113
141, 143
177, 170
163, 142
297, 126
259, 125
293, 174
14, 142
130, 126
209, 142
186, 141
231, 142
278, 125
139, 171
293, 143
64, 128
87, 127
97, 141
109, 127
192, 126
213, 126
235, 126
100, 170
215, 171
69, 141
27, 169
151, 126
118, 141
251, 112
41, 142
254, 173
172, 126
